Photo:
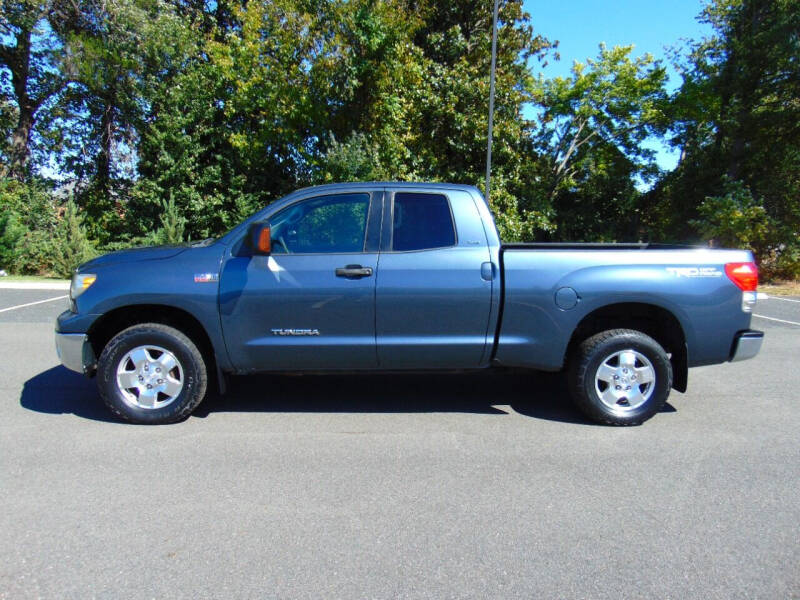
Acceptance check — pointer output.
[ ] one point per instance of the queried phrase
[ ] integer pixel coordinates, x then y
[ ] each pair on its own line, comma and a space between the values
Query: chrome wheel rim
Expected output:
149, 377
625, 380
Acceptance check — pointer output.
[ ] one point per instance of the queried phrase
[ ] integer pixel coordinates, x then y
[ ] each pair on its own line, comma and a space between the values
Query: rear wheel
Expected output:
151, 373
620, 377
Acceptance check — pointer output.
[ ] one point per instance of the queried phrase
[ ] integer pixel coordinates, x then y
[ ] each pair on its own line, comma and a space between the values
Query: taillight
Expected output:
744, 275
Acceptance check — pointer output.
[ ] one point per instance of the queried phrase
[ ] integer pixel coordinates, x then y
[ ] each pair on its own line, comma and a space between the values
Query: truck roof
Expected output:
394, 184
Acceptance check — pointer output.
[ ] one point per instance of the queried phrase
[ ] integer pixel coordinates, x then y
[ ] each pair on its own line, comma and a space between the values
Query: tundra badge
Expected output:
295, 331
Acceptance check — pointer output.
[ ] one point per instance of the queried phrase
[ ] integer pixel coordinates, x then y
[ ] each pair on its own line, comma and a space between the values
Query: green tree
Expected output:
119, 50
186, 156
33, 70
393, 89
592, 129
736, 120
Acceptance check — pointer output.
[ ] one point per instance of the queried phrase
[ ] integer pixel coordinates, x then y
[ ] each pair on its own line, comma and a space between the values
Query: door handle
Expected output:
354, 272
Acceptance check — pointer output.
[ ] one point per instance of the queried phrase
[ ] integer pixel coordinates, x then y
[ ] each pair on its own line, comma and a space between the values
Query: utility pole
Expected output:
491, 99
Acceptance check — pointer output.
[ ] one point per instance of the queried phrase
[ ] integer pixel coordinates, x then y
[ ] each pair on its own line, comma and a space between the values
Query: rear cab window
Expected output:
422, 221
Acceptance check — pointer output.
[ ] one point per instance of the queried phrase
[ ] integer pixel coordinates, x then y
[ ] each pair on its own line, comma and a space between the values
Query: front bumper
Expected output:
746, 345
75, 352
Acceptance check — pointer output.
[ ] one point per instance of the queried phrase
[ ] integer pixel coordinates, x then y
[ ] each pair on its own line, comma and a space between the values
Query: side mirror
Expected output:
261, 238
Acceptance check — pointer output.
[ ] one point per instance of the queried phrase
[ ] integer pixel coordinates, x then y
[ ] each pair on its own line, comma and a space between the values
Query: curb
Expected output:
34, 285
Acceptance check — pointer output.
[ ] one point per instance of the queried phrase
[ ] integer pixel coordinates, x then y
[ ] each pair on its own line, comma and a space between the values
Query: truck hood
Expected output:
133, 255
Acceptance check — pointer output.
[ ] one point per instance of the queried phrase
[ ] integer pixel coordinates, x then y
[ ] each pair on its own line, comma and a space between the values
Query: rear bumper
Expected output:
75, 352
746, 345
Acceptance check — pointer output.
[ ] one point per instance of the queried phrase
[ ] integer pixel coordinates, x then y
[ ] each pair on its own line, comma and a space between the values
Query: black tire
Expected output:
193, 373
602, 350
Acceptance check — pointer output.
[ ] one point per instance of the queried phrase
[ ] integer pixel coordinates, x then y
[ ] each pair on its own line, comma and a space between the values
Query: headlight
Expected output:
80, 283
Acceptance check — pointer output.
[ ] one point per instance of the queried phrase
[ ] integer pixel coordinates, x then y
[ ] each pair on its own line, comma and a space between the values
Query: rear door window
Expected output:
422, 222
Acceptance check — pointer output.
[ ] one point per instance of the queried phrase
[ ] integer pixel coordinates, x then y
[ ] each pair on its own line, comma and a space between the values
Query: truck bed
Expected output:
548, 289
594, 246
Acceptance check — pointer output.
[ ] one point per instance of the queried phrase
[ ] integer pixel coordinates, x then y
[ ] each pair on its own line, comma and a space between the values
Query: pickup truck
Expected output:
402, 276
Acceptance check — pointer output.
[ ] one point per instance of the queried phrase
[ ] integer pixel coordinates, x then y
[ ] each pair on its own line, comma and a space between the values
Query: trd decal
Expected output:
695, 271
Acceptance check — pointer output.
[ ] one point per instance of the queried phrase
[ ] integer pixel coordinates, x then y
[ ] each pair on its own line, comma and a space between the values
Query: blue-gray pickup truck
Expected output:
402, 276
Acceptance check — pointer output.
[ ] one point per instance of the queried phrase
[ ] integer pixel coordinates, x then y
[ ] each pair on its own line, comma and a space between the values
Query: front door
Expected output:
310, 304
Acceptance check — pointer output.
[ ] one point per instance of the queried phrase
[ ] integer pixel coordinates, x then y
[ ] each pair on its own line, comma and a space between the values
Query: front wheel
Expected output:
151, 373
620, 377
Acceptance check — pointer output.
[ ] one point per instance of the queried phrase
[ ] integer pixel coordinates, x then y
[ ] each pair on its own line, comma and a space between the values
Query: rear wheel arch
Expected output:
655, 321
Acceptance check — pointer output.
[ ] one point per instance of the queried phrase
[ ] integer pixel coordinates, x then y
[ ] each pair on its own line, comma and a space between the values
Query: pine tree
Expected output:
173, 224
71, 246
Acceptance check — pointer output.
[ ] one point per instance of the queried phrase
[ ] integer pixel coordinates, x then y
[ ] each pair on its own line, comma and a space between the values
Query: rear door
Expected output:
434, 285
310, 304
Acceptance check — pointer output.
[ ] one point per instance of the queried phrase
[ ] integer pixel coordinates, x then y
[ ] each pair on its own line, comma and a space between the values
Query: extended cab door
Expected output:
310, 304
434, 287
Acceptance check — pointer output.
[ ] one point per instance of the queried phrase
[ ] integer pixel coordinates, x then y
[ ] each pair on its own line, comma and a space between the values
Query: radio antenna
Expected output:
491, 99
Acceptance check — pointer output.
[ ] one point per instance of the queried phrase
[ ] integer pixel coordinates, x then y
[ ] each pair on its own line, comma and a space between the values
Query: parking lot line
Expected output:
34, 285
2, 310
778, 320
783, 299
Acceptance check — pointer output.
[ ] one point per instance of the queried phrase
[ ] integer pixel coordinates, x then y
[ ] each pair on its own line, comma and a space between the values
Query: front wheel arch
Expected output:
114, 321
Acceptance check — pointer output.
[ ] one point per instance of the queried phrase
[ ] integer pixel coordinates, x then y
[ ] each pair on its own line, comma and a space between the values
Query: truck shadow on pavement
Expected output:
60, 391
537, 395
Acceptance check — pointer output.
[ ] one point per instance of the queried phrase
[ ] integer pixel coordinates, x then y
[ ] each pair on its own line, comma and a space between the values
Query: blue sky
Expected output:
650, 25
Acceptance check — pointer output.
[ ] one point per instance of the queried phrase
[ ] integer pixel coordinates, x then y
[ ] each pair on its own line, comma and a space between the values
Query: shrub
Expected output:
11, 233
34, 255
27, 218
734, 219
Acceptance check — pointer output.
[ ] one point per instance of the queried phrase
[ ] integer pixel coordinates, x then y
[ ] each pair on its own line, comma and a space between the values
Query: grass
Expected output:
31, 278
780, 288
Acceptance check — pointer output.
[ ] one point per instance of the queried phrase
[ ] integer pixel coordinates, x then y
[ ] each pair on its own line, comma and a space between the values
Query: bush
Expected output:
27, 218
734, 219
34, 255
737, 220
782, 262
11, 233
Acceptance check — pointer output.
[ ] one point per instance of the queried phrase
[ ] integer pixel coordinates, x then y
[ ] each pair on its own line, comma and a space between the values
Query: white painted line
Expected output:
761, 296
778, 320
34, 285
783, 299
2, 310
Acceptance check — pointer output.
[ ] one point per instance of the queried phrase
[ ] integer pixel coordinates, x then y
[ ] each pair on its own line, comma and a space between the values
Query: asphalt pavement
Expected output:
451, 486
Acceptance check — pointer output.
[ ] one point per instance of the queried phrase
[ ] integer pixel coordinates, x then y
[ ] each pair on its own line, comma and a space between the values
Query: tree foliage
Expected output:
736, 121
167, 120
590, 141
